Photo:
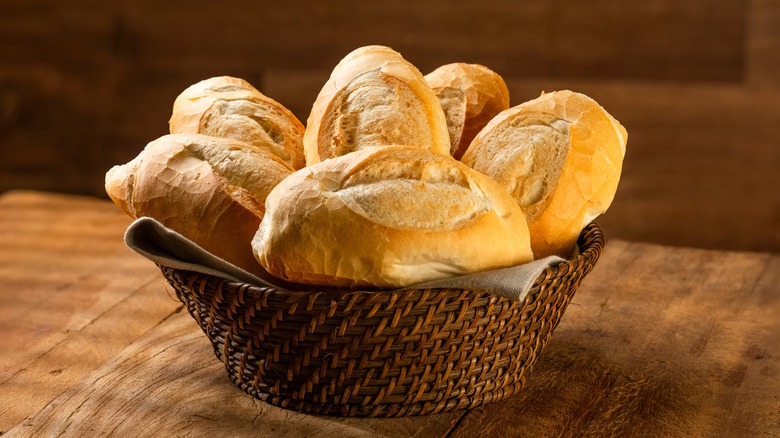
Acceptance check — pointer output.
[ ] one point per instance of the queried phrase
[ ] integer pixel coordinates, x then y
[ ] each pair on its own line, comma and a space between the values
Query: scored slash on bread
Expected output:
389, 217
211, 190
560, 156
374, 97
230, 107
470, 95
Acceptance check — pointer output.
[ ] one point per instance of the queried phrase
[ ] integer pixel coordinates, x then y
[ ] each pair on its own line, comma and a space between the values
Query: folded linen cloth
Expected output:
166, 247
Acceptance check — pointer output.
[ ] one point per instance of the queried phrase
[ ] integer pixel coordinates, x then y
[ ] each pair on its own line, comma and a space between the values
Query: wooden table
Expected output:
658, 341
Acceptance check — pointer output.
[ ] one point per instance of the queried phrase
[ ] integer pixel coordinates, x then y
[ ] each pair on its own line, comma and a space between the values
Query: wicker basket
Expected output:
381, 354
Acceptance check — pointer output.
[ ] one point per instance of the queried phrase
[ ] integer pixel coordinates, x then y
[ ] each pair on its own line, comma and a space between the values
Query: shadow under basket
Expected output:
381, 354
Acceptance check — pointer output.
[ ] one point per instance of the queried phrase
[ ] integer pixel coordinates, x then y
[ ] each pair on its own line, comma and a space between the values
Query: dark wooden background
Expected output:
85, 84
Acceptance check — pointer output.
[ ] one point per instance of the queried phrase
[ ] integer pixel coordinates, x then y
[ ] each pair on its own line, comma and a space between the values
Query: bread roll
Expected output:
374, 98
560, 156
212, 190
470, 95
389, 217
232, 108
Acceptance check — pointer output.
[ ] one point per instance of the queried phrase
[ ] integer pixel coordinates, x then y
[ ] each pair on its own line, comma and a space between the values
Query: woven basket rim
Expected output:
590, 244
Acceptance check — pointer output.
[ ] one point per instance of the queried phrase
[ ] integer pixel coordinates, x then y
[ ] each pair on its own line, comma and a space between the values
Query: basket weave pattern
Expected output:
381, 354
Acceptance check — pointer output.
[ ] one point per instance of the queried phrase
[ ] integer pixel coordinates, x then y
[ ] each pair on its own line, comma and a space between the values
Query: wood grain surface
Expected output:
658, 341
72, 296
84, 85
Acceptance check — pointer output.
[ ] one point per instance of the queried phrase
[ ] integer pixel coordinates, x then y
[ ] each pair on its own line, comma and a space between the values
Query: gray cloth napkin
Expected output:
165, 247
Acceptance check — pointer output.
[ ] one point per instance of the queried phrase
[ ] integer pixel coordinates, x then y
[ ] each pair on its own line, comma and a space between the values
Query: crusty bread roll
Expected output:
560, 156
374, 97
470, 95
232, 108
389, 217
211, 190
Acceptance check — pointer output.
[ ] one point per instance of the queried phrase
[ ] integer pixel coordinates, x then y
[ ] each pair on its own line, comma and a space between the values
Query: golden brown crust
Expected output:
561, 157
374, 98
471, 95
211, 190
230, 107
389, 217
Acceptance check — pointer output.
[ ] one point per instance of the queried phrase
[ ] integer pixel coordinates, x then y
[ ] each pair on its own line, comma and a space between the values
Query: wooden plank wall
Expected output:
86, 84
